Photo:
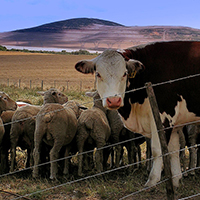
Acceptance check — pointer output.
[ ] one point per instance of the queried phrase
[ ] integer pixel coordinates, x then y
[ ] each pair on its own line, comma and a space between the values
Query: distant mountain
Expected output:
94, 34
75, 23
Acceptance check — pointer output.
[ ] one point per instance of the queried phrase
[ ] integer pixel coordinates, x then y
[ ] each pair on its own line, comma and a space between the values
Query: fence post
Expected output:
8, 82
54, 83
163, 142
67, 85
42, 85
80, 86
30, 84
95, 81
19, 83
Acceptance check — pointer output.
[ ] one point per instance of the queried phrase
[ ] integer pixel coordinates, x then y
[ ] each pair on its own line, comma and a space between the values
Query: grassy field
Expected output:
53, 69
113, 185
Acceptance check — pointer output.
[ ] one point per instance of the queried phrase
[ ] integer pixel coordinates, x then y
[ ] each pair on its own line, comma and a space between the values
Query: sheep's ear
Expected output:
83, 107
40, 92
90, 94
85, 66
133, 67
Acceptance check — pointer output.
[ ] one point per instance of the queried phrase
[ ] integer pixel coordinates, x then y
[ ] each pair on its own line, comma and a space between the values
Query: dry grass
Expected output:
50, 68
41, 66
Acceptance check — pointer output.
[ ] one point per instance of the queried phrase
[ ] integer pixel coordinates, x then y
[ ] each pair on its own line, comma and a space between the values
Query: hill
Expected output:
94, 34
76, 23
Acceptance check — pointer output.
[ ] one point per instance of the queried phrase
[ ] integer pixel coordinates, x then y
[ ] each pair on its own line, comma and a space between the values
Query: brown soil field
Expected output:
38, 67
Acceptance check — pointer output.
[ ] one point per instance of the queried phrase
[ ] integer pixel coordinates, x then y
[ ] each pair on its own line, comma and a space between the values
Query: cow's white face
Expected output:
111, 74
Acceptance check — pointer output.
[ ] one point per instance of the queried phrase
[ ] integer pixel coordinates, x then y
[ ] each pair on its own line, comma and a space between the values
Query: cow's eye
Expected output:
98, 75
125, 74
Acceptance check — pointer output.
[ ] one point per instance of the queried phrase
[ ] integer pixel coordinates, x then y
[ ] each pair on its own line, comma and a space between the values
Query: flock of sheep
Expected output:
60, 128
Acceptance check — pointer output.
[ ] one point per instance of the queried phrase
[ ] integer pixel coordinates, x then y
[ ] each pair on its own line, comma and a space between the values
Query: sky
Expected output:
20, 14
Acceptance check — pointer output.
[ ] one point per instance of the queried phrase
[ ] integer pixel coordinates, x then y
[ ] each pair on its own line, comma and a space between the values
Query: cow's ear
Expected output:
134, 67
85, 66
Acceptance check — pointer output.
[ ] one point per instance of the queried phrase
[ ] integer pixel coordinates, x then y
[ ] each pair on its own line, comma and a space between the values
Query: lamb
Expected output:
56, 125
191, 137
6, 117
23, 126
132, 146
5, 104
119, 133
94, 130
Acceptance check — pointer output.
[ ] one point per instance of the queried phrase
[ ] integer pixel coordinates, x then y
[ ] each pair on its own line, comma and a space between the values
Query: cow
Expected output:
119, 74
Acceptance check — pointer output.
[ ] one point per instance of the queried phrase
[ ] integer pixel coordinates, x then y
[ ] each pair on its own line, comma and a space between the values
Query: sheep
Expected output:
190, 138
118, 133
6, 118
6, 103
132, 146
23, 126
93, 131
56, 125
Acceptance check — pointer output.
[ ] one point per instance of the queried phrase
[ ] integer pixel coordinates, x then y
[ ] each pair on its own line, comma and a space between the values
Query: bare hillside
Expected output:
94, 34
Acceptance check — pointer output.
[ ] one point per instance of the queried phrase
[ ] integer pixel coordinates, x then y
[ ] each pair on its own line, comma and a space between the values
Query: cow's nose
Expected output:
114, 102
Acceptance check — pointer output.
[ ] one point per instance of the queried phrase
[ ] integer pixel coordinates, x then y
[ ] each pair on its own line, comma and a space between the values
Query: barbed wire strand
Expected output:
112, 170
170, 81
133, 90
160, 182
189, 197
90, 151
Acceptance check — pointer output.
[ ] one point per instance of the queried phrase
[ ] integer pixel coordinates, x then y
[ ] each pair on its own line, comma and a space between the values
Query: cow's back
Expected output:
165, 61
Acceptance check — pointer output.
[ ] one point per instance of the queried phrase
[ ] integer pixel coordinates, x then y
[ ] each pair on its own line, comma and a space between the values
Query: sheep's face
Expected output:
6, 103
53, 96
59, 97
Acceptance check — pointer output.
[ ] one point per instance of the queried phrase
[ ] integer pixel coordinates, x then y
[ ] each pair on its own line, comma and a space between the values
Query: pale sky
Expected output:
20, 14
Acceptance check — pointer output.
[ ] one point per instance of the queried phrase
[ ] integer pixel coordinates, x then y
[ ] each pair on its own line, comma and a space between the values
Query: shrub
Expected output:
2, 48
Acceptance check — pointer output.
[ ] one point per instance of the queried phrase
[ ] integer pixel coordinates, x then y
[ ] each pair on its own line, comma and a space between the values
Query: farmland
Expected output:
49, 68
114, 185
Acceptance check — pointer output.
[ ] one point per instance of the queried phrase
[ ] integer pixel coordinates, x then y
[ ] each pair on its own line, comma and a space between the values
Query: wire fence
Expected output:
122, 167
62, 85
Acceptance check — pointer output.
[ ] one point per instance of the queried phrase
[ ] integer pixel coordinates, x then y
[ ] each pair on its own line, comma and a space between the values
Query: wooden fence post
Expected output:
80, 86
95, 81
19, 83
163, 142
42, 85
67, 85
30, 84
8, 82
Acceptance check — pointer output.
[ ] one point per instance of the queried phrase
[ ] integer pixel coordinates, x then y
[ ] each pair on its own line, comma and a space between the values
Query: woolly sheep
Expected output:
93, 130
56, 125
5, 146
132, 146
5, 104
118, 133
23, 126
191, 137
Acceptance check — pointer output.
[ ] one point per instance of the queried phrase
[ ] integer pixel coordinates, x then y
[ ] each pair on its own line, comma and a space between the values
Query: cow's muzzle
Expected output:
114, 102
